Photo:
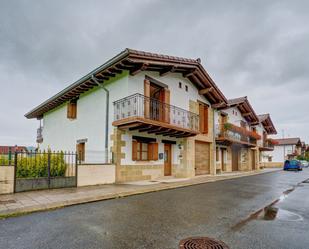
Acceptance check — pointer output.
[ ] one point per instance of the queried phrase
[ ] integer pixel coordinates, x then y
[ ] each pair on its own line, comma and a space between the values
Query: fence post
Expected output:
10, 156
48, 167
76, 169
15, 170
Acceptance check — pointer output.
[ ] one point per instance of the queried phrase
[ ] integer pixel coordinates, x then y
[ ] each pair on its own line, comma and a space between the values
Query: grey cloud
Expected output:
254, 48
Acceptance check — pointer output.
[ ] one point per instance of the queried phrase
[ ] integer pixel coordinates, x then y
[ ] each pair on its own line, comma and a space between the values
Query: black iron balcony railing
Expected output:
140, 106
268, 144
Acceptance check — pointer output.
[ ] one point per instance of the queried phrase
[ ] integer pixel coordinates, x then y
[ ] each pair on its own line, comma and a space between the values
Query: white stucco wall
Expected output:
280, 153
60, 133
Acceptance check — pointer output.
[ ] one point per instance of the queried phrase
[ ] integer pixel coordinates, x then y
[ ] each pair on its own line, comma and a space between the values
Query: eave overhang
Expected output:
135, 61
244, 107
268, 124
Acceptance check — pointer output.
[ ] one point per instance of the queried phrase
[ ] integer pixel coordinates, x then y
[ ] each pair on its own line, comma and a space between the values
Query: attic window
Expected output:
186, 87
180, 85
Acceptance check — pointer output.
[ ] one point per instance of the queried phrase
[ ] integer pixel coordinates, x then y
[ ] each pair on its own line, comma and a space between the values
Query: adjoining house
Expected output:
286, 148
266, 144
150, 115
5, 149
236, 136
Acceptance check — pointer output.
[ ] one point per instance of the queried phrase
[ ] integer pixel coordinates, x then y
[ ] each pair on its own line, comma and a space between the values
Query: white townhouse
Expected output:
150, 115
286, 148
241, 136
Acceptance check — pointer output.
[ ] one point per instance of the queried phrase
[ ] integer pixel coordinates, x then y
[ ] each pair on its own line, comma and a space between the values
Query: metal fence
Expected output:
44, 170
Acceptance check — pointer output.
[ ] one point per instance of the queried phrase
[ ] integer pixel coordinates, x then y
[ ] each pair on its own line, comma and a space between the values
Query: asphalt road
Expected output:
161, 219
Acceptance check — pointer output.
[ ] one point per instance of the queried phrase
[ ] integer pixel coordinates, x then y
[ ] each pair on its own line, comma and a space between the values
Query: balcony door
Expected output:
157, 99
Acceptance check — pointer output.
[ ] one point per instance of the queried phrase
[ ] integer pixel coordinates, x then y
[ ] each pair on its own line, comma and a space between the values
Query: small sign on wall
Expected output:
161, 156
81, 141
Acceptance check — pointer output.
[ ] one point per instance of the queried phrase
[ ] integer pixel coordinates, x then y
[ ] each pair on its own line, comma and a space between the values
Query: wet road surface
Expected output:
231, 210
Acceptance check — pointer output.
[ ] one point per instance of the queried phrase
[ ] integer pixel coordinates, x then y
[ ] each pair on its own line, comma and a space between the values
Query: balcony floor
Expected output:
230, 141
153, 127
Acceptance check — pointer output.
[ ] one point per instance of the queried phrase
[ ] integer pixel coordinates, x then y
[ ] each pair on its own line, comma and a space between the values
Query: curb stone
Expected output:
61, 204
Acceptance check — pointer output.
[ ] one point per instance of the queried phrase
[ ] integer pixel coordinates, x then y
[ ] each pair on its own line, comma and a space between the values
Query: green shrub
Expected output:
36, 165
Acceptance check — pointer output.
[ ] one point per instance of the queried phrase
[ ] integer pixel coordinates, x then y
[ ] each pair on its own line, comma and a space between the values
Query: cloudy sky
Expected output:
254, 48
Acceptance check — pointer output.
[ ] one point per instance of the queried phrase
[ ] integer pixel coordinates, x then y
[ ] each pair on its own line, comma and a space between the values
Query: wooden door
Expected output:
80, 148
235, 158
202, 158
167, 159
253, 159
223, 160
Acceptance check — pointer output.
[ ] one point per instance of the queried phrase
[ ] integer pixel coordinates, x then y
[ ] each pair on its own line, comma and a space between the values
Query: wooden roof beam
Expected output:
141, 67
170, 69
219, 105
188, 74
205, 90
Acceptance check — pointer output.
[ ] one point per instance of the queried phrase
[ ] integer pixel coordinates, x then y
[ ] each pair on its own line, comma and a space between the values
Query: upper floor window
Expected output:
186, 88
72, 109
180, 85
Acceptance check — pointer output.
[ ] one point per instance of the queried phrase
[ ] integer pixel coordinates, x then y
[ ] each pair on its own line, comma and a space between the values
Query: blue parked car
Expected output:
292, 165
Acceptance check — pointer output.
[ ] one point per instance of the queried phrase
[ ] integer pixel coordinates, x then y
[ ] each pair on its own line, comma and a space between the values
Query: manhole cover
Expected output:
202, 243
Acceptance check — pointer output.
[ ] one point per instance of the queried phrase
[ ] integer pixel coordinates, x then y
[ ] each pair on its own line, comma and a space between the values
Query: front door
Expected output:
253, 159
235, 157
167, 159
223, 160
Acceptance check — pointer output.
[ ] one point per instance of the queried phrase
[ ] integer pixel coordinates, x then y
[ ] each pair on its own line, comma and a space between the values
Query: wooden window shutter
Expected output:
205, 119
134, 150
150, 151
69, 110
72, 110
201, 113
166, 110
155, 151
147, 96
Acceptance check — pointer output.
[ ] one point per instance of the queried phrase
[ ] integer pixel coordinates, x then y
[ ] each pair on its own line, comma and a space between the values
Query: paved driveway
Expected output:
161, 219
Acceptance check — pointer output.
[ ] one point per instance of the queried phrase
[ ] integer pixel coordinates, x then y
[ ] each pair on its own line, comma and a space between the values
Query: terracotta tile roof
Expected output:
162, 56
135, 61
267, 123
236, 101
263, 117
5, 149
288, 141
244, 106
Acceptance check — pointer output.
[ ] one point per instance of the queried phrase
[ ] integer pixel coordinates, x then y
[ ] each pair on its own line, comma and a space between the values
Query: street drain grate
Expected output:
202, 243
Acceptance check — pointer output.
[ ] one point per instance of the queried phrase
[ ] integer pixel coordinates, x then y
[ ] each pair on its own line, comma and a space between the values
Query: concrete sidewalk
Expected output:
26, 202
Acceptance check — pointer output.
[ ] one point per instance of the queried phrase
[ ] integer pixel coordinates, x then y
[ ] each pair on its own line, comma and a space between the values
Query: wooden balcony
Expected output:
228, 134
138, 112
267, 145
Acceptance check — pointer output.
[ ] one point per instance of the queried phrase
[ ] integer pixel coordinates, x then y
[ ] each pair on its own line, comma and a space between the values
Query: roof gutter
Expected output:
106, 114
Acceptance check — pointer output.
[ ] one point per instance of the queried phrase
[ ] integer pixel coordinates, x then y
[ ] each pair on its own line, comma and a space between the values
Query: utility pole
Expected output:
283, 146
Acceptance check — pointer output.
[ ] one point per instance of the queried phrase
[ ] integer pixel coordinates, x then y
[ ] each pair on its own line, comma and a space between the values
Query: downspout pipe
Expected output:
106, 114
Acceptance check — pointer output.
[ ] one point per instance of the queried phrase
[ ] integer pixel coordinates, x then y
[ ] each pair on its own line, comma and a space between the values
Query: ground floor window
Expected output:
143, 151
